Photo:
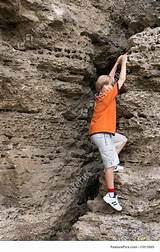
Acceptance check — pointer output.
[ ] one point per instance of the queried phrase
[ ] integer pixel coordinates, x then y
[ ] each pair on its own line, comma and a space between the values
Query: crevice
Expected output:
89, 192
18, 111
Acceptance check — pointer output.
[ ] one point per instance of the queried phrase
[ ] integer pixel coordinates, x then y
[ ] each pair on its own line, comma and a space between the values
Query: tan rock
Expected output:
49, 55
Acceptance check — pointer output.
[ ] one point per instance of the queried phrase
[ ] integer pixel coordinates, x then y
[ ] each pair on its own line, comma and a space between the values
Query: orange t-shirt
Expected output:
104, 114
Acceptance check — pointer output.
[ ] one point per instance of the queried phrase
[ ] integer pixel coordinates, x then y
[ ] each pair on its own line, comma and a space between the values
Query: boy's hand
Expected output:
122, 58
119, 60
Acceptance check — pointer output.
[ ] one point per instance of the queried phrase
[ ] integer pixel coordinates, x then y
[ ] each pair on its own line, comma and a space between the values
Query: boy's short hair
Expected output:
101, 81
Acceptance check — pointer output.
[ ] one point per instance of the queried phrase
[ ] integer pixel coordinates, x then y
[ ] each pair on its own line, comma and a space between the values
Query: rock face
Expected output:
100, 227
138, 185
51, 52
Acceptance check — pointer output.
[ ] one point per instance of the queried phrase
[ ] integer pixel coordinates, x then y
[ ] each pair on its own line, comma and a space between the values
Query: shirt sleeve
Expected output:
111, 94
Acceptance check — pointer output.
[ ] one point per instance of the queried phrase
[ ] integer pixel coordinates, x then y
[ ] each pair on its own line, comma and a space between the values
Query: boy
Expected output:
102, 130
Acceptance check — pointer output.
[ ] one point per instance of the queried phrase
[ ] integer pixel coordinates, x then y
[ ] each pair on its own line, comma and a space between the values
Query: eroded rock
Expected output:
50, 52
137, 186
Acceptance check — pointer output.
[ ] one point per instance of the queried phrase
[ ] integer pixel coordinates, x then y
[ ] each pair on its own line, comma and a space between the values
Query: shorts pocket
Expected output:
108, 140
98, 139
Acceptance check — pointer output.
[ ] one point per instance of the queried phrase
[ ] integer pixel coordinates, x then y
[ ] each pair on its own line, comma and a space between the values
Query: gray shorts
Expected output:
106, 144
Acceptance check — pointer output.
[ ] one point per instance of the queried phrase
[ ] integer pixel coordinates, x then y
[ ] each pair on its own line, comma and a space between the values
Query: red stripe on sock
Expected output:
111, 189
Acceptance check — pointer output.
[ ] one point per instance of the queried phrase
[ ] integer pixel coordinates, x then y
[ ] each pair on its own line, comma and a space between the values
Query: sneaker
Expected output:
118, 168
112, 201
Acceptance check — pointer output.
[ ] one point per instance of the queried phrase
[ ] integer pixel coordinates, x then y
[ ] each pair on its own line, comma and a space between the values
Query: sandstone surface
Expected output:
50, 55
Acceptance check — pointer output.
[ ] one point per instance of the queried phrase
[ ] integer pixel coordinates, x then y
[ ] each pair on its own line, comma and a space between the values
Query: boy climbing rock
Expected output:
102, 129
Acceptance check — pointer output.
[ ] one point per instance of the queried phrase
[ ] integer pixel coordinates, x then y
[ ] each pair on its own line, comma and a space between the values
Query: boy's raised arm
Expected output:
122, 76
113, 71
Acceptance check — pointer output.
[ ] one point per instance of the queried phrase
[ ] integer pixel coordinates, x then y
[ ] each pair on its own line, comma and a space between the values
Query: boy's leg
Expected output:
110, 160
120, 147
120, 141
109, 177
111, 197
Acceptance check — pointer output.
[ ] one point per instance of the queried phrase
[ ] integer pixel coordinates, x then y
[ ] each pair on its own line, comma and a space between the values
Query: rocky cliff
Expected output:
51, 182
